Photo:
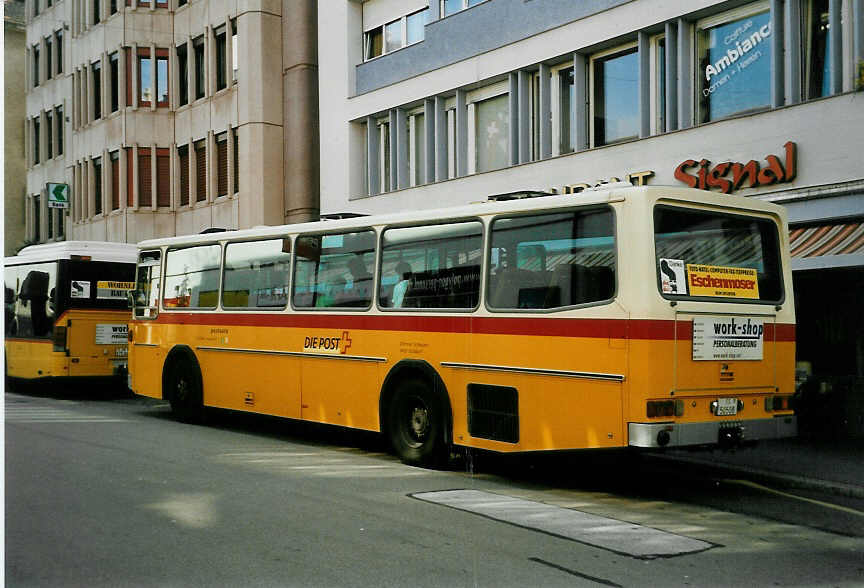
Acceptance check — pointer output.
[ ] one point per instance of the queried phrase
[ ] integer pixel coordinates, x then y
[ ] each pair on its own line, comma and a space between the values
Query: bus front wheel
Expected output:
416, 423
183, 390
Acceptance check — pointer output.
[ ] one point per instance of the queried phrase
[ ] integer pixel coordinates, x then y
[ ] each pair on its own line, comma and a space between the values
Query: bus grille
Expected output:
493, 412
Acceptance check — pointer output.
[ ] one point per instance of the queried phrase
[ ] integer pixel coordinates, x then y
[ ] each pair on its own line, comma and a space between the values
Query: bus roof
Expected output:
585, 198
95, 250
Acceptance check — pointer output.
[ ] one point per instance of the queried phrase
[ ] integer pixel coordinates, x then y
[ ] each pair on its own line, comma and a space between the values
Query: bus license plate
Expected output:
727, 406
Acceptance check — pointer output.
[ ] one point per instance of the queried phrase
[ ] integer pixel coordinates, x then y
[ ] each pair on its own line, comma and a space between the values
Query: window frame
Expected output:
220, 53
290, 285
474, 97
379, 264
552, 211
381, 29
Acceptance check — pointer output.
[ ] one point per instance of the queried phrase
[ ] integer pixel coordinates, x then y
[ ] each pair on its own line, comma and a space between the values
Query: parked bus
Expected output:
647, 317
67, 310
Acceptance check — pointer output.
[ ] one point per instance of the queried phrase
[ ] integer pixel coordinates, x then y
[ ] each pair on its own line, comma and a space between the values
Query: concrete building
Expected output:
14, 165
167, 117
444, 102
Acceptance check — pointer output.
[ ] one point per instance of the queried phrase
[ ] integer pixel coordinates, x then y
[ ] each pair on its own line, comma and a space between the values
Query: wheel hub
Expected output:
419, 422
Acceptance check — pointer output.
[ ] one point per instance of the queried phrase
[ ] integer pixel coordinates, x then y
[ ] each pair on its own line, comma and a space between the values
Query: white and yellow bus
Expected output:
67, 310
647, 317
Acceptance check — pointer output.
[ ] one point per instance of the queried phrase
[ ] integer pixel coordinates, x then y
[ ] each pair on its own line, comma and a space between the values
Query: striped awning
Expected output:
829, 239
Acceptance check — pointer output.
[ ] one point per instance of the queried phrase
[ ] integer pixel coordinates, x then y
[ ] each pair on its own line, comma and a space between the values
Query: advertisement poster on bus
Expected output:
722, 281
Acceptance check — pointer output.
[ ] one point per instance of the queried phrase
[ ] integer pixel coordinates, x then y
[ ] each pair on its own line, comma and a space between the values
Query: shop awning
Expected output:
827, 245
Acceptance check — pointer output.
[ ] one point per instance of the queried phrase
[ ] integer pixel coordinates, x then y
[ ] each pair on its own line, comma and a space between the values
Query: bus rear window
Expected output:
705, 255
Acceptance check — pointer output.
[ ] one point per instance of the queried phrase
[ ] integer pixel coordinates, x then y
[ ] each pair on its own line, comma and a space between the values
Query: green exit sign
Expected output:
58, 195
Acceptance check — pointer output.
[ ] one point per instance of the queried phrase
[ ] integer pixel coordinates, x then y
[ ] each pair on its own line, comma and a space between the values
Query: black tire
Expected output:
183, 390
416, 423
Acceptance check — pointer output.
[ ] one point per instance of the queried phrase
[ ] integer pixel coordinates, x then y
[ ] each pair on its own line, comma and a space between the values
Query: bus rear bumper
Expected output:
728, 433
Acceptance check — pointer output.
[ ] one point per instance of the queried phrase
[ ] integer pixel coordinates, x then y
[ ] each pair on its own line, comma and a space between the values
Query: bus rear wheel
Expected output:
183, 390
416, 423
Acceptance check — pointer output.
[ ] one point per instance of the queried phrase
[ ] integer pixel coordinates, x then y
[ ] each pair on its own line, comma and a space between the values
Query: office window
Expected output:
97, 185
235, 60
183, 165
181, 3
163, 177
112, 7
161, 3
221, 57
417, 148
373, 43
415, 26
449, 7
200, 170
660, 84
61, 229
114, 74
817, 40
384, 151
58, 42
492, 132
58, 112
35, 7
145, 78
222, 164
145, 178
97, 11
161, 77
115, 180
567, 117
392, 36
37, 218
615, 96
734, 63
36, 140
58, 116
50, 224
49, 135
35, 55
198, 49
183, 75
96, 88
236, 161
49, 71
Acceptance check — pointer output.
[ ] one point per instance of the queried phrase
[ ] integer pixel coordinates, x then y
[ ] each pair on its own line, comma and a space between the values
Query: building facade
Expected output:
14, 164
444, 102
168, 117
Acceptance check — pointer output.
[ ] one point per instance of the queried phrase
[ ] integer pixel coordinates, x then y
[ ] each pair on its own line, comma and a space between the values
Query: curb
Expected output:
786, 480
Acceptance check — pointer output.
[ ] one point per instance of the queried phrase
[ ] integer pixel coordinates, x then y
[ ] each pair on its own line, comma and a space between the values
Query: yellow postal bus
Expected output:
67, 310
647, 317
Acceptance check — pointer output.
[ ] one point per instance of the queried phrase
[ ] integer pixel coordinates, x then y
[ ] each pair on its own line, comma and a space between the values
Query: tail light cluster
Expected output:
773, 403
58, 338
665, 408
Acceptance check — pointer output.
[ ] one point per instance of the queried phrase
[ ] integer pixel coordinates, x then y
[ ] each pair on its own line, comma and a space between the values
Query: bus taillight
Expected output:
773, 403
59, 338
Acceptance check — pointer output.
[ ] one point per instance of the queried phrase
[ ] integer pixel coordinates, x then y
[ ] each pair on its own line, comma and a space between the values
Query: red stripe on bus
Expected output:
551, 327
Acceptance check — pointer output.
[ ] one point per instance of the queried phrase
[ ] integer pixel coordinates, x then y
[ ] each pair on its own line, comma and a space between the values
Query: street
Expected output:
114, 492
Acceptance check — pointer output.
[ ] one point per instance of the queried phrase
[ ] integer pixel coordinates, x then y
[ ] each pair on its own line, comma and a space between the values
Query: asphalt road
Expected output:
114, 492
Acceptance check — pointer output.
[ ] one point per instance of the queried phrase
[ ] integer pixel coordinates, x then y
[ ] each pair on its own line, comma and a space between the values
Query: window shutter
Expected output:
163, 177
201, 171
183, 153
145, 192
222, 164
130, 176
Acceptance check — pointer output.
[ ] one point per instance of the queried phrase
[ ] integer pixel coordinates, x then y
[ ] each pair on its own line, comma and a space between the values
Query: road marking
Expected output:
606, 533
45, 414
756, 486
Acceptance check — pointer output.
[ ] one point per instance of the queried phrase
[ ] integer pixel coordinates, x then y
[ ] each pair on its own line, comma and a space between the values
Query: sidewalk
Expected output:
830, 466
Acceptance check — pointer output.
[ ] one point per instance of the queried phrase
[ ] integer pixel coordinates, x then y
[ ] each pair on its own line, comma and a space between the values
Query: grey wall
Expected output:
479, 29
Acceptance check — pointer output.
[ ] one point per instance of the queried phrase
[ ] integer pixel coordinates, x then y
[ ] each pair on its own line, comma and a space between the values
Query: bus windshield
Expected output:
708, 255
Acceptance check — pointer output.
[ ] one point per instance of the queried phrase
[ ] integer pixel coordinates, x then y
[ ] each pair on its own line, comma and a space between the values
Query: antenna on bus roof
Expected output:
519, 195
214, 230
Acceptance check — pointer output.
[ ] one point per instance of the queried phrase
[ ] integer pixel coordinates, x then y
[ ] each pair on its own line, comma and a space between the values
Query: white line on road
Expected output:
611, 534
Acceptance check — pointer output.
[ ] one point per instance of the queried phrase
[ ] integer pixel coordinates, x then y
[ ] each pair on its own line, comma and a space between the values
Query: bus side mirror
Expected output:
130, 298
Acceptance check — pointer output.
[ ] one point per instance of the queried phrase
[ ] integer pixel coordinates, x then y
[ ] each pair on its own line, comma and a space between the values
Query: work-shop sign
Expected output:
730, 176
